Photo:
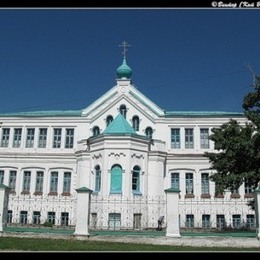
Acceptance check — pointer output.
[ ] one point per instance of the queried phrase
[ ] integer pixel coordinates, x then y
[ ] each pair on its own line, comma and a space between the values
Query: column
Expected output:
4, 195
257, 211
83, 211
172, 212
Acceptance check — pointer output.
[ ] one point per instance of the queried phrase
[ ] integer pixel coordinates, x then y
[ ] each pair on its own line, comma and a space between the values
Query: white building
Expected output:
128, 151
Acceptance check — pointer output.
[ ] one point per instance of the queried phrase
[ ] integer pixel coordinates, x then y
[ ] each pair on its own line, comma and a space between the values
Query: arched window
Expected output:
122, 110
149, 132
116, 179
109, 120
136, 179
96, 131
136, 122
97, 178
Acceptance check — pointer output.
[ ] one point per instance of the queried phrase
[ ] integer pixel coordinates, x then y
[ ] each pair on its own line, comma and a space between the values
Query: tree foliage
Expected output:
237, 156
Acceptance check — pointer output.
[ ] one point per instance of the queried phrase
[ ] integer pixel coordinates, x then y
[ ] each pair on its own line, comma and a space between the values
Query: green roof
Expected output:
202, 114
83, 189
119, 126
44, 113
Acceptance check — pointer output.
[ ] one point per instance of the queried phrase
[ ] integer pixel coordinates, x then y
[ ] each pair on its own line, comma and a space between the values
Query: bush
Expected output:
47, 224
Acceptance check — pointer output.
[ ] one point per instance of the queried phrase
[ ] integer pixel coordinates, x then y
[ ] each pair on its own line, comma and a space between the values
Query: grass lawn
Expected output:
12, 244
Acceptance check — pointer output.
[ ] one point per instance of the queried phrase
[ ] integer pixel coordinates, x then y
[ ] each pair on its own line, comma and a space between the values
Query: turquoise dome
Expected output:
124, 71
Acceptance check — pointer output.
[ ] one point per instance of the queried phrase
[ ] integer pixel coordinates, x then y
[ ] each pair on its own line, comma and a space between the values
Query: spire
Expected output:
124, 71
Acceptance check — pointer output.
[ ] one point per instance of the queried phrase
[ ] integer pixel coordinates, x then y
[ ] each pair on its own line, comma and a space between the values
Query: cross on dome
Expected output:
124, 45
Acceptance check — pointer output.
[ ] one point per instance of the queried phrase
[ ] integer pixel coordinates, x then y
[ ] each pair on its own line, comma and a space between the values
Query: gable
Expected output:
122, 91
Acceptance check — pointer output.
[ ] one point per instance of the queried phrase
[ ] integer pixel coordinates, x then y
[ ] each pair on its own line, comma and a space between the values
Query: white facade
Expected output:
133, 170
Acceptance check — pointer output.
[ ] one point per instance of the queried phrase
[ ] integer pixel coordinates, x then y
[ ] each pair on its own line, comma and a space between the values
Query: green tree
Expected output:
237, 156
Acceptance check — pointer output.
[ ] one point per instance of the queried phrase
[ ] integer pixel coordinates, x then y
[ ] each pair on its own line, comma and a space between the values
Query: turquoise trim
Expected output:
3, 186
257, 190
43, 113
138, 193
172, 190
83, 189
98, 100
141, 101
202, 114
115, 192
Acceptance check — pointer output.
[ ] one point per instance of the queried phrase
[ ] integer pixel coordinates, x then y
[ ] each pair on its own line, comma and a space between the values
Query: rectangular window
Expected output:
2, 174
12, 180
36, 217
236, 220
137, 221
69, 138
114, 220
189, 221
26, 181
17, 137
5, 137
206, 221
30, 137
175, 180
189, 183
39, 182
204, 183
248, 187
56, 138
23, 217
189, 138
54, 182
93, 220
97, 178
64, 219
66, 182
250, 221
136, 179
9, 216
175, 138
51, 217
221, 221
42, 138
204, 138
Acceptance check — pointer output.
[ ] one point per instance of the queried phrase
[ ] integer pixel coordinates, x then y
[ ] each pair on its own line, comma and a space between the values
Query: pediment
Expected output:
123, 92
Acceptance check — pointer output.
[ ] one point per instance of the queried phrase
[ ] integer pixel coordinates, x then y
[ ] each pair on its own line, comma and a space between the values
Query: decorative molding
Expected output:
117, 154
140, 156
96, 156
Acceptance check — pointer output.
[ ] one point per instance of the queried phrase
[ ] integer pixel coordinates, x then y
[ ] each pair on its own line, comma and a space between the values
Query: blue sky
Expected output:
182, 59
